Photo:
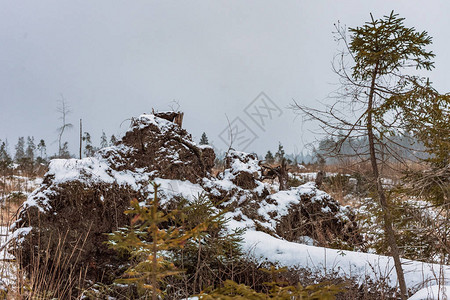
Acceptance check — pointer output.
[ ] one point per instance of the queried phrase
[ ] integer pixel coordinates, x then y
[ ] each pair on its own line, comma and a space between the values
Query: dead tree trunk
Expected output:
283, 175
172, 116
319, 178
281, 172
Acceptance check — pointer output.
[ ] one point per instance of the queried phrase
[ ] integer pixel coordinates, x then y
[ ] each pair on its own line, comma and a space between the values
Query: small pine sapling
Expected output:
277, 290
208, 258
148, 241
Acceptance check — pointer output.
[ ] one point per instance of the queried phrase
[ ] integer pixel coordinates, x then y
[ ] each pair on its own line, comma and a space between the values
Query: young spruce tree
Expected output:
204, 139
148, 240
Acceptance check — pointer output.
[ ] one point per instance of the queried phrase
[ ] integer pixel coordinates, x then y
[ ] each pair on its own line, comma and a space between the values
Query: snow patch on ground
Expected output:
170, 188
8, 271
348, 263
434, 292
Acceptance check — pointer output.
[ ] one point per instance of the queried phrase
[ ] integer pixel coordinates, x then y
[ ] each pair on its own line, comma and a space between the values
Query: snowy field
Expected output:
262, 246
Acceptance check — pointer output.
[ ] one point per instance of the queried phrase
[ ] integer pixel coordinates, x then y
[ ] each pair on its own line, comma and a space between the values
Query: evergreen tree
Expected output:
320, 159
113, 140
374, 93
269, 157
204, 258
280, 153
381, 48
27, 161
148, 242
64, 153
89, 149
103, 141
42, 148
5, 164
5, 158
20, 150
204, 139
434, 134
31, 147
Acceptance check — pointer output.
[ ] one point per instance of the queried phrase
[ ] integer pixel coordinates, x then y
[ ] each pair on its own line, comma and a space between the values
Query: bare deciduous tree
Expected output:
63, 109
368, 104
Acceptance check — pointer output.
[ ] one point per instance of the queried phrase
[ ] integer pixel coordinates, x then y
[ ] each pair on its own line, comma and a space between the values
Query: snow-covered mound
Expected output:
80, 200
306, 212
303, 213
239, 183
164, 148
242, 169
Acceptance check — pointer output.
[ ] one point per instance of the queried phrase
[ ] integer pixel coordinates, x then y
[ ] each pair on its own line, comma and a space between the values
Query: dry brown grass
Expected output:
46, 277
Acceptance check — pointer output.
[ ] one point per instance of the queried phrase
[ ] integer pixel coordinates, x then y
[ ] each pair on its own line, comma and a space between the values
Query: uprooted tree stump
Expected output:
281, 172
63, 224
167, 150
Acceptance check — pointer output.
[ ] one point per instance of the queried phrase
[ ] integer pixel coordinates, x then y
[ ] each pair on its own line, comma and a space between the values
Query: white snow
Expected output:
4, 238
348, 263
244, 164
240, 162
8, 267
170, 188
278, 204
434, 292
87, 170
163, 124
19, 234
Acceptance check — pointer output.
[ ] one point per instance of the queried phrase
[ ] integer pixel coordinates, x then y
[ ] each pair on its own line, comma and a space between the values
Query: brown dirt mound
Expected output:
74, 227
244, 169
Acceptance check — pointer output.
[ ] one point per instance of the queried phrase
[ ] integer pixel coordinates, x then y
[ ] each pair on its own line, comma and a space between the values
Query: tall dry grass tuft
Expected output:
50, 274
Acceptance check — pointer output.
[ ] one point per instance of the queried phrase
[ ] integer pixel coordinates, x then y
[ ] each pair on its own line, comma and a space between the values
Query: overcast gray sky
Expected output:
112, 60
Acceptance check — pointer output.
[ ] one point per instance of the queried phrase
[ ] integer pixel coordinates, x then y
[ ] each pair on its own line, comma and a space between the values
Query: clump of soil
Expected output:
73, 227
167, 150
318, 216
239, 184
301, 214
243, 169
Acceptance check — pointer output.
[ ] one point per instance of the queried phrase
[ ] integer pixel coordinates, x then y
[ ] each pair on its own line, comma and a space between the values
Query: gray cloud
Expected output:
114, 59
